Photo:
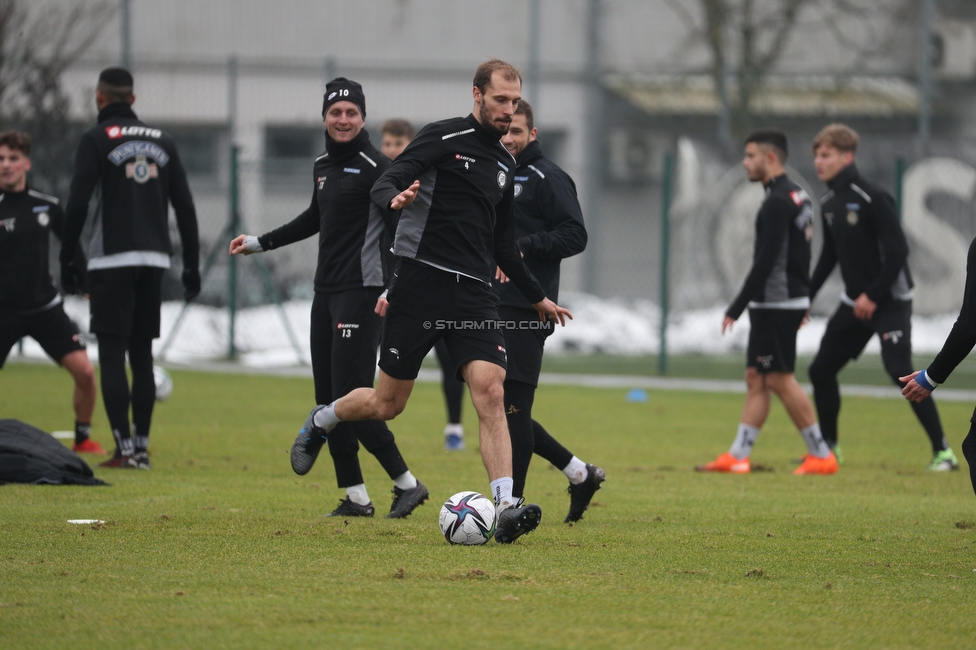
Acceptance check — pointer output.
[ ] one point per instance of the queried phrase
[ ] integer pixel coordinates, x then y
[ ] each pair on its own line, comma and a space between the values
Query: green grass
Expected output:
867, 370
221, 545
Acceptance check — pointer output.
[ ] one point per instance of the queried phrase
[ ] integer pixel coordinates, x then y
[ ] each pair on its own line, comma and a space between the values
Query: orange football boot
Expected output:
813, 465
726, 463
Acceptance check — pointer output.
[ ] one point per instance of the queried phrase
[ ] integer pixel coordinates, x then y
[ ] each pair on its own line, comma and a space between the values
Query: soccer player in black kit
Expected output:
137, 173
30, 304
351, 273
957, 346
548, 228
454, 186
776, 291
862, 233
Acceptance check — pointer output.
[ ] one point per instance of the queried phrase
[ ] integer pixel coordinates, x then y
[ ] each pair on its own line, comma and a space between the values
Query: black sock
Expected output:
143, 390
518, 411
549, 448
82, 432
115, 384
928, 415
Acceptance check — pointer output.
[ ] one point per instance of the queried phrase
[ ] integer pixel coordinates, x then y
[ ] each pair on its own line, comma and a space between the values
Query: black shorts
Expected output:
847, 336
51, 328
125, 301
525, 339
427, 304
772, 339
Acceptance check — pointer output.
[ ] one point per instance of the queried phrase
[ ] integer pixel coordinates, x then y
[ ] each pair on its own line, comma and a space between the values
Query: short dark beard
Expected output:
486, 121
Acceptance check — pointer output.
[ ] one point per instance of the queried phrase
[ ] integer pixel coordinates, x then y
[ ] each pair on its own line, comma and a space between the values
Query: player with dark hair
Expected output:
920, 384
548, 228
777, 293
863, 234
397, 134
453, 186
30, 304
138, 173
351, 273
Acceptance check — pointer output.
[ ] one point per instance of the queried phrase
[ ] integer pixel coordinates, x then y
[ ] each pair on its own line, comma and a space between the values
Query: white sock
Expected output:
815, 442
744, 440
454, 429
501, 490
405, 481
357, 494
576, 471
326, 418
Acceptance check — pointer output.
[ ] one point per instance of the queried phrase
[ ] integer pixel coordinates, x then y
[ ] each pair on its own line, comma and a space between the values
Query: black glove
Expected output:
72, 280
191, 284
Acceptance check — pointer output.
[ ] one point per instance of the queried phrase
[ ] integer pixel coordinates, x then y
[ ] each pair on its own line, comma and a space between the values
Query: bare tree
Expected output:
37, 45
747, 38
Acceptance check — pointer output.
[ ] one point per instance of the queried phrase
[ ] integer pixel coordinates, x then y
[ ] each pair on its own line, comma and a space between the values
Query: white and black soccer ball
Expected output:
164, 383
468, 518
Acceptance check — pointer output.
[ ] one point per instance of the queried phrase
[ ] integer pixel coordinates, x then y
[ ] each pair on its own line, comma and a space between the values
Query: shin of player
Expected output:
776, 292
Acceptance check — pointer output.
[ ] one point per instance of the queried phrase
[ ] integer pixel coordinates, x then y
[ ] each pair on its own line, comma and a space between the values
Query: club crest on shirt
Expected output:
502, 178
518, 189
852, 217
43, 218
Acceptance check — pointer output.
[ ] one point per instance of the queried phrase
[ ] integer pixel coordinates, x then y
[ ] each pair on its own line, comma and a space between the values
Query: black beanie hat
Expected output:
341, 89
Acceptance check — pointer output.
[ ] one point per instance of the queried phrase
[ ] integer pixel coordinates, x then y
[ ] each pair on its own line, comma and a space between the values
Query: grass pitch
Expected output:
221, 545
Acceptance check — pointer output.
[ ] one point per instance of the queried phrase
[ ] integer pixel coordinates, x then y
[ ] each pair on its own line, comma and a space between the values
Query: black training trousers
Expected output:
844, 340
344, 334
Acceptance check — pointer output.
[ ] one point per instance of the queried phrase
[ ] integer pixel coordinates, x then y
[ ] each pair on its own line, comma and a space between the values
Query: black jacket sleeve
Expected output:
962, 337
567, 234
83, 183
57, 229
894, 246
771, 239
826, 263
301, 227
507, 256
186, 213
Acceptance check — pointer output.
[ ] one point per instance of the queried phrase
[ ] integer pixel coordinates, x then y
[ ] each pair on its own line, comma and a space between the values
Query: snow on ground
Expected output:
607, 325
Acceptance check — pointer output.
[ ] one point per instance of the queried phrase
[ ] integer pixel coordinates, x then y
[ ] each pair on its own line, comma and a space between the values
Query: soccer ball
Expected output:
468, 518
164, 383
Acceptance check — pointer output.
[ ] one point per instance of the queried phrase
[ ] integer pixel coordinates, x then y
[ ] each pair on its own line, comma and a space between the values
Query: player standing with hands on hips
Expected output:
30, 304
138, 173
863, 234
777, 293
351, 273
453, 184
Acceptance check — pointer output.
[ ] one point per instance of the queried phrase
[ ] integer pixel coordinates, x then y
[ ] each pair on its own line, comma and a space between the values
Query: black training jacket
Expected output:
962, 337
353, 238
548, 223
27, 219
461, 220
780, 274
135, 173
862, 232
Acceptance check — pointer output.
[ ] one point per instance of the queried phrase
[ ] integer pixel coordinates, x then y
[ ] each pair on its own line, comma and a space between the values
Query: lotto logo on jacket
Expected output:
115, 132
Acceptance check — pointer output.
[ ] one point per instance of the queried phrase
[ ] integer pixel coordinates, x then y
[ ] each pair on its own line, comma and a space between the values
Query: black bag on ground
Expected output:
29, 455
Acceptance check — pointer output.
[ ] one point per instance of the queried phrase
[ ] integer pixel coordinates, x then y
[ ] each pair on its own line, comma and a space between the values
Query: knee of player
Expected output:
390, 408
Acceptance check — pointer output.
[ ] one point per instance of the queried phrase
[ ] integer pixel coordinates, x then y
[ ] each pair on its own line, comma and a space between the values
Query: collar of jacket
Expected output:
531, 153
116, 110
342, 151
774, 181
844, 178
481, 130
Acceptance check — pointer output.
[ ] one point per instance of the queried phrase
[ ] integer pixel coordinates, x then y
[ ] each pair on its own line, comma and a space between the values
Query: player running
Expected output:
776, 291
454, 187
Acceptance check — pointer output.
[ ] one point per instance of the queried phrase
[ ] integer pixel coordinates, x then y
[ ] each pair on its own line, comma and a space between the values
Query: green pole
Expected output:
235, 219
662, 357
899, 184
